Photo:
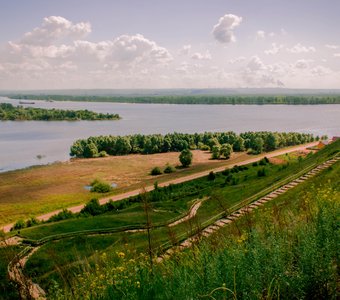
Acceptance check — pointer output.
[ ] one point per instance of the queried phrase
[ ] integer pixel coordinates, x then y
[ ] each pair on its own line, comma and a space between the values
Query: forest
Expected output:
8, 112
201, 99
254, 142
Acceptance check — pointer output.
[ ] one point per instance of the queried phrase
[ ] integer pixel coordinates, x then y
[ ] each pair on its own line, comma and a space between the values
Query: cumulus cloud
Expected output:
185, 50
255, 64
302, 63
260, 35
333, 47
223, 30
336, 54
54, 28
237, 60
274, 49
200, 56
298, 48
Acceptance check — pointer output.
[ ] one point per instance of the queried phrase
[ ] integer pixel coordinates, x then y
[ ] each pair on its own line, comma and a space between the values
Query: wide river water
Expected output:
27, 143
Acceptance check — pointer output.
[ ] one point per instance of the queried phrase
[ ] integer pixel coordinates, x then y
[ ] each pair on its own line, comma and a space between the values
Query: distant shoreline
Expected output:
256, 99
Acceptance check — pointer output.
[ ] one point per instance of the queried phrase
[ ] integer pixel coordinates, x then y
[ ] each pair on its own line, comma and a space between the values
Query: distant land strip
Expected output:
199, 99
8, 112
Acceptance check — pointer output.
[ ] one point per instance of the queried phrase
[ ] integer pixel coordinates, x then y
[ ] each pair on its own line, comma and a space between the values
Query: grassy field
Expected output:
51, 261
287, 249
38, 190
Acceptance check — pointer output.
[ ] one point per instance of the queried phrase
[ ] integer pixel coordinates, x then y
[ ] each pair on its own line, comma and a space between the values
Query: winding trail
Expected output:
78, 208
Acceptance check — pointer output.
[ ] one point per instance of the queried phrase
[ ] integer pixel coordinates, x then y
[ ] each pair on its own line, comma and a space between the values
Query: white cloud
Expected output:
302, 63
54, 28
298, 48
334, 47
255, 64
185, 50
260, 35
336, 54
274, 49
237, 60
200, 56
223, 30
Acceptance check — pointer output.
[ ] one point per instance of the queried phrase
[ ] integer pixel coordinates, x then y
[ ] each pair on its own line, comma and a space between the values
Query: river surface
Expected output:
27, 143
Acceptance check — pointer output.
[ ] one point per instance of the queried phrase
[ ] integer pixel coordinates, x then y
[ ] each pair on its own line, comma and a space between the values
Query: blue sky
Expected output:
169, 44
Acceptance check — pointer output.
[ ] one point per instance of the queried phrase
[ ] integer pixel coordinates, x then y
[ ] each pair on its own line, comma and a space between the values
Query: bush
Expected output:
93, 208
169, 169
255, 164
99, 186
102, 154
185, 158
211, 176
226, 172
63, 215
261, 173
20, 224
31, 222
156, 171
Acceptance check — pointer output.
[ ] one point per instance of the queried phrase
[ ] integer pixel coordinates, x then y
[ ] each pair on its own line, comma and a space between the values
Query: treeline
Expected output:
202, 99
20, 113
254, 142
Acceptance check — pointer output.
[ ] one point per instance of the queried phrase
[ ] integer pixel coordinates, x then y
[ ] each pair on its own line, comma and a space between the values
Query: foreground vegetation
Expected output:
58, 260
289, 250
204, 99
254, 142
20, 113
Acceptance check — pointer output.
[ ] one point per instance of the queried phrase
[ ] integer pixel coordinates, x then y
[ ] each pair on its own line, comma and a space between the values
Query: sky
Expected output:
133, 44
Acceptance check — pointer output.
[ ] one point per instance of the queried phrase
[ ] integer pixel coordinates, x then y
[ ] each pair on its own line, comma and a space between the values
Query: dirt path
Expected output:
191, 214
78, 208
26, 287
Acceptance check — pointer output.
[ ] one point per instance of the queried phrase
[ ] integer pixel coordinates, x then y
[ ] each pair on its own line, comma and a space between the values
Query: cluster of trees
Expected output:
19, 113
201, 99
221, 143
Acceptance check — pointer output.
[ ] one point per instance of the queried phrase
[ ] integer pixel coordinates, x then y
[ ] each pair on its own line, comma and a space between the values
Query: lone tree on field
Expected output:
185, 158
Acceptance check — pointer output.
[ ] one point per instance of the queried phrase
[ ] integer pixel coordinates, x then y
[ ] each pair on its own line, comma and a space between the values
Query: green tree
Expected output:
226, 150
185, 158
215, 152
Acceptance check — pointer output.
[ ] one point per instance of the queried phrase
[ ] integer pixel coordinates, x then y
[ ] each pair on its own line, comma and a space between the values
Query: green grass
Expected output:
288, 249
7, 289
49, 254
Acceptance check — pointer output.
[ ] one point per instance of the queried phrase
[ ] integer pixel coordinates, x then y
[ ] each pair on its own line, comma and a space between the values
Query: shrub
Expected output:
255, 164
20, 224
63, 215
211, 176
99, 186
226, 172
102, 154
185, 158
261, 173
169, 169
156, 171
31, 222
93, 208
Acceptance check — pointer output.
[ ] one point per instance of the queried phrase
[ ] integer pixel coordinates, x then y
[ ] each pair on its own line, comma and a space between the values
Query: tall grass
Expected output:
288, 250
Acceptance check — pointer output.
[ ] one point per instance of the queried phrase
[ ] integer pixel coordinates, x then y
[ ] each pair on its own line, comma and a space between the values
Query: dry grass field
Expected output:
37, 190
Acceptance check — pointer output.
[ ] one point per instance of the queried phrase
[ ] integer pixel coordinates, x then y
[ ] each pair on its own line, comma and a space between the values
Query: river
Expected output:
27, 143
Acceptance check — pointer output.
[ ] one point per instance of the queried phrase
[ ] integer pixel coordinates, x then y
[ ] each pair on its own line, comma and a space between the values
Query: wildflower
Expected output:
121, 254
138, 284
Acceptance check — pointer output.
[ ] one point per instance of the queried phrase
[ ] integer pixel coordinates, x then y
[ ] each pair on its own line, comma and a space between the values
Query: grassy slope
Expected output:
287, 249
138, 240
